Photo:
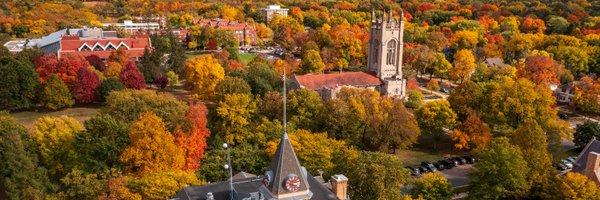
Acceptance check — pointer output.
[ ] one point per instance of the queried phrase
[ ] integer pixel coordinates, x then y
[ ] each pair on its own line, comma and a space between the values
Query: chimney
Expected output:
591, 167
210, 196
339, 186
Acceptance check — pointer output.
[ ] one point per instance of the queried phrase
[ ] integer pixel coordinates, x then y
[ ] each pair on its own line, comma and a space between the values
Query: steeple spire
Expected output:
390, 17
373, 15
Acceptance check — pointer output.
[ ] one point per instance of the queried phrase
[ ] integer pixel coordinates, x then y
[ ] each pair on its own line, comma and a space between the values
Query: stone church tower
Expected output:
385, 53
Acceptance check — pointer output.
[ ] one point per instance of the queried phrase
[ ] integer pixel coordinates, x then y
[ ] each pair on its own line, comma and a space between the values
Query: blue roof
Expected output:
55, 37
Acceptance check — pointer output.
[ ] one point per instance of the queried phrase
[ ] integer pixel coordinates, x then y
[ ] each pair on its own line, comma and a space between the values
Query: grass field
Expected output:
423, 151
191, 55
245, 58
28, 118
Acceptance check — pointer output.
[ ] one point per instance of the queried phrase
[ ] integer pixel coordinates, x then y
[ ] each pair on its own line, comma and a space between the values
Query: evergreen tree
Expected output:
18, 85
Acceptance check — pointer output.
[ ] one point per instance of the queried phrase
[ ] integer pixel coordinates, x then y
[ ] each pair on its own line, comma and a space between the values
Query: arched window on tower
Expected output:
391, 52
375, 51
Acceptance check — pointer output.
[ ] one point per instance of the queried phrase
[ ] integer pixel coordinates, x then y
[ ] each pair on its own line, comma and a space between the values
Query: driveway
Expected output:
458, 175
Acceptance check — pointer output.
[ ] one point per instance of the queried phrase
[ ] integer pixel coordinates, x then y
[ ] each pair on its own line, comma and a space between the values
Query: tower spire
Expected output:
373, 15
390, 16
284, 105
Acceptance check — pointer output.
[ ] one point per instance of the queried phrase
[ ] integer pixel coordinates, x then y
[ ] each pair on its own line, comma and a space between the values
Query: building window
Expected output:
375, 51
98, 48
391, 52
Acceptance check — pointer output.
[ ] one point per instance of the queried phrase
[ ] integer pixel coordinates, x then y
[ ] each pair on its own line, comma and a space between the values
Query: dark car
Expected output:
447, 163
445, 90
561, 167
454, 162
563, 116
461, 160
423, 170
439, 166
429, 166
414, 170
469, 159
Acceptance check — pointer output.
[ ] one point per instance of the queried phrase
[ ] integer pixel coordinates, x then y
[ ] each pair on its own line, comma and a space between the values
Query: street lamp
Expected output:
228, 167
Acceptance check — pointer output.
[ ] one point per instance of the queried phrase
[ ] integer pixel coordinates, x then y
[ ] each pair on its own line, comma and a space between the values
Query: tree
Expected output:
472, 132
432, 186
79, 185
312, 62
585, 132
55, 94
464, 64
108, 85
305, 106
194, 142
118, 56
573, 186
116, 188
164, 184
113, 69
433, 85
232, 85
18, 85
540, 70
500, 173
55, 137
96, 62
101, 144
68, 67
530, 25
434, 117
374, 175
131, 77
152, 148
161, 81
86, 85
173, 78
586, 93
235, 112
558, 25
531, 138
415, 99
127, 105
244, 157
203, 73
271, 105
20, 170
465, 40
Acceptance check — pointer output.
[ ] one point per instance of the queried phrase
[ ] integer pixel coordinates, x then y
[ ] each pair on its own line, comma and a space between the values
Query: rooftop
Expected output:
334, 80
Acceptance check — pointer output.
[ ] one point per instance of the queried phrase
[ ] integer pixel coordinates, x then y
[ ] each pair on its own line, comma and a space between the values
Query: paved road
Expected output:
458, 175
426, 91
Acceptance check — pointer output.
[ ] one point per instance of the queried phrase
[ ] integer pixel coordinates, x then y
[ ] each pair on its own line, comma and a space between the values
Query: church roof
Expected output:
334, 80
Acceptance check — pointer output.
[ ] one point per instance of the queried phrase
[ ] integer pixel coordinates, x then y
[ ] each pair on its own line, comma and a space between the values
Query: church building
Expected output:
384, 64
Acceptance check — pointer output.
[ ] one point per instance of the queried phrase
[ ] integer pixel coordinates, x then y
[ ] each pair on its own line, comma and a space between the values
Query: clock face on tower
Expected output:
292, 183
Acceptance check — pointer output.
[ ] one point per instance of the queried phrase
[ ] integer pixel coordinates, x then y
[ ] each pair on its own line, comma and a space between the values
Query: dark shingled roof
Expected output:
283, 164
333, 80
592, 146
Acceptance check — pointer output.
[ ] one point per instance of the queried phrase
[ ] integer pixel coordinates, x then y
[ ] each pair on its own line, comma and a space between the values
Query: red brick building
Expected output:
93, 41
245, 32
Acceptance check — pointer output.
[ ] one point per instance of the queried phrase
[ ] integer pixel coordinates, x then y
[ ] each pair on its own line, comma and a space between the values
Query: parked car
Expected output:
429, 166
447, 164
414, 170
444, 90
563, 116
423, 169
461, 160
561, 167
454, 162
469, 159
439, 166
572, 159
567, 164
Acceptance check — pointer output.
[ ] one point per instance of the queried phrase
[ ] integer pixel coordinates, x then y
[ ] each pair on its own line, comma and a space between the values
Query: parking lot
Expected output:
457, 176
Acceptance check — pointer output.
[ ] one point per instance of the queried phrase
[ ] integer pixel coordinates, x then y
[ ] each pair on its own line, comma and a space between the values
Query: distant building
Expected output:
273, 10
588, 161
245, 32
564, 93
491, 62
18, 45
93, 41
131, 27
384, 64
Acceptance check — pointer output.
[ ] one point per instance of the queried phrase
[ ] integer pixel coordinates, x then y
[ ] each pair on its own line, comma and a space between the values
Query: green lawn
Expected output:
28, 118
245, 58
424, 150
191, 55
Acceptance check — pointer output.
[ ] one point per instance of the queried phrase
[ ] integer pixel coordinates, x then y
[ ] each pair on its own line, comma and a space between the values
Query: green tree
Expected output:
232, 85
108, 85
102, 142
305, 106
18, 85
311, 62
432, 186
585, 132
55, 137
434, 117
173, 78
244, 158
19, 169
55, 94
531, 138
127, 105
375, 176
79, 185
501, 172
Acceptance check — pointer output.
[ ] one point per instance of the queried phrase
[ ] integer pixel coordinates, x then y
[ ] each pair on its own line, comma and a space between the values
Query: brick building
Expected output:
245, 32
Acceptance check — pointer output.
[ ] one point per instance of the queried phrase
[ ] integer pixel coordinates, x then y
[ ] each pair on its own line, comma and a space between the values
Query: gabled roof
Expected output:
580, 162
495, 61
334, 80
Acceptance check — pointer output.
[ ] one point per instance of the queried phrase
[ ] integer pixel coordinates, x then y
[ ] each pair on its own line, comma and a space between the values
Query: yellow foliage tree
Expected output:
464, 64
573, 186
203, 73
465, 39
234, 113
55, 136
163, 185
152, 147
113, 69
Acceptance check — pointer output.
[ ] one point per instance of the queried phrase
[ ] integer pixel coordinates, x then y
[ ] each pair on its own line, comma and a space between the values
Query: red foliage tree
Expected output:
46, 65
193, 143
412, 84
86, 84
131, 77
95, 61
161, 81
540, 70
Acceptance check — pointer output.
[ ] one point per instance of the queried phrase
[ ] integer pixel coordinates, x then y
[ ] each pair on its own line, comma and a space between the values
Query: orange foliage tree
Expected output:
472, 132
193, 143
66, 68
540, 70
530, 25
